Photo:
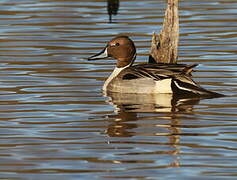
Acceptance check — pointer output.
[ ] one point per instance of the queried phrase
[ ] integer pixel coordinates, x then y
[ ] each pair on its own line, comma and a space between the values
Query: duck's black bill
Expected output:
102, 55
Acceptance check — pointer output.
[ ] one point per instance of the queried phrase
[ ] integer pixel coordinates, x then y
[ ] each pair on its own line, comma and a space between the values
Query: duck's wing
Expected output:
181, 80
159, 71
155, 73
176, 68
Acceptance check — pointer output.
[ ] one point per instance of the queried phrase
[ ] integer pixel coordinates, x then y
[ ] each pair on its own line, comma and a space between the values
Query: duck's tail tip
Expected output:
215, 94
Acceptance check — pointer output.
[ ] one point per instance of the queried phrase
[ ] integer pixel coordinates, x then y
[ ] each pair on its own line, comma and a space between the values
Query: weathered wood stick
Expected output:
164, 47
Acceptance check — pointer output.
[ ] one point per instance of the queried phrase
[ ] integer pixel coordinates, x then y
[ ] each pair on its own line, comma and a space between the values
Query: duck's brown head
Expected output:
121, 48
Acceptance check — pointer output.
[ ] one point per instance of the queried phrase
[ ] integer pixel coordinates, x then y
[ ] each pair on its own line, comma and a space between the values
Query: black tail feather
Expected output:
186, 89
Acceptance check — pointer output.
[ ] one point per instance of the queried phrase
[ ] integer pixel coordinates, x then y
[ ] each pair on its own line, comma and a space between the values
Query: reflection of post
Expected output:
164, 48
112, 8
174, 139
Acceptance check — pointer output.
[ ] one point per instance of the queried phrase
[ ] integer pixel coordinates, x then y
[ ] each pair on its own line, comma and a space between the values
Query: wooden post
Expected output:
164, 47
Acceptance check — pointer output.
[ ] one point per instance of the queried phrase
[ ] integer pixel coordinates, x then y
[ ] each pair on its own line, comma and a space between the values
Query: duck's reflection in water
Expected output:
128, 117
121, 126
151, 102
127, 106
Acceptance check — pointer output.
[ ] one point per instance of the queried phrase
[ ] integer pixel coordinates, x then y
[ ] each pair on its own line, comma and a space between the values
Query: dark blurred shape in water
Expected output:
112, 8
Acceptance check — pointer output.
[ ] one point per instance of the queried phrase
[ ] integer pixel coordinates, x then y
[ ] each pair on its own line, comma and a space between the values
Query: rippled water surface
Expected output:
55, 123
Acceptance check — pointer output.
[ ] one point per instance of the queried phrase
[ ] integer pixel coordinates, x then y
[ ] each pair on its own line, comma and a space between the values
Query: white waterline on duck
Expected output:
163, 86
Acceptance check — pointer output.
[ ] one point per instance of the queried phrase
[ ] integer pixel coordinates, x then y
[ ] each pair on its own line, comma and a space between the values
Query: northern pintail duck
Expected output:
146, 78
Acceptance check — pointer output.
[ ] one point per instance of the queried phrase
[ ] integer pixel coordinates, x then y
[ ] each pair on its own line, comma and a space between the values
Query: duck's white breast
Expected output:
114, 74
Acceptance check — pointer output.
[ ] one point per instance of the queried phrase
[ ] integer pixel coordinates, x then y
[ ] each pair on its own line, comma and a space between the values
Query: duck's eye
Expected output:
116, 44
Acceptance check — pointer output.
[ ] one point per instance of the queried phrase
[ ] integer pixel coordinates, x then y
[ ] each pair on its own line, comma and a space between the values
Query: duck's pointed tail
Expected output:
192, 89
